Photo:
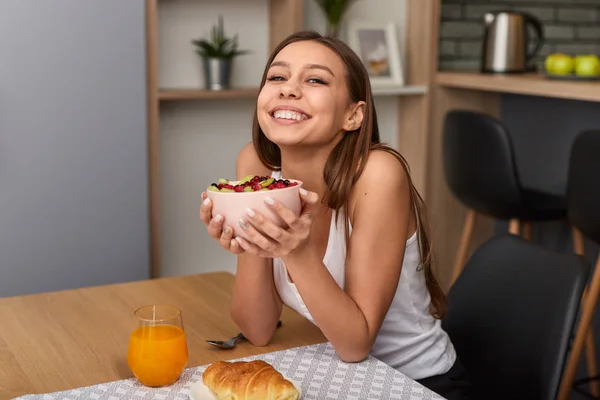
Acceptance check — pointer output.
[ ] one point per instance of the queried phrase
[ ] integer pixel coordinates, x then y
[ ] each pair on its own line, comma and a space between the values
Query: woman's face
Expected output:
305, 98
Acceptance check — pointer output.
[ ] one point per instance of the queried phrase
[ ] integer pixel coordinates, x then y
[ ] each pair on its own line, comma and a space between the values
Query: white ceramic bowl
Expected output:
233, 205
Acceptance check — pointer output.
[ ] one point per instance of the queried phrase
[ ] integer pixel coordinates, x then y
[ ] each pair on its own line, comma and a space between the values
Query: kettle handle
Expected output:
539, 30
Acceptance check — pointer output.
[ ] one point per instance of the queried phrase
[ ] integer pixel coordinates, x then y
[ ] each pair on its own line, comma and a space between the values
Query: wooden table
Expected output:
62, 340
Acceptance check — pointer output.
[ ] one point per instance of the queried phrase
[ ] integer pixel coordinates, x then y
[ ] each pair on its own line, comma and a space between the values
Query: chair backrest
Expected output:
511, 315
479, 163
583, 187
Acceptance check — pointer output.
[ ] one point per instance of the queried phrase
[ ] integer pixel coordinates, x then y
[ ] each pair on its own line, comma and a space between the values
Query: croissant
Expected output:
248, 380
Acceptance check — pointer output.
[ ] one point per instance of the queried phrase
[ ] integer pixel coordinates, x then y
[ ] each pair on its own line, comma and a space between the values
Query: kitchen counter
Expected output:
533, 84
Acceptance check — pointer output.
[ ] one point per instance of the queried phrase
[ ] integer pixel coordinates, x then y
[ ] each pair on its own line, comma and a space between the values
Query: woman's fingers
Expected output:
226, 236
264, 236
205, 209
247, 246
255, 237
215, 226
310, 202
287, 215
228, 242
310, 205
266, 226
235, 247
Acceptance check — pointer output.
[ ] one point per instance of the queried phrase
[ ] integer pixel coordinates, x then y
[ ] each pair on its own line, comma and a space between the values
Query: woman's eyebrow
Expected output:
319, 66
279, 64
307, 66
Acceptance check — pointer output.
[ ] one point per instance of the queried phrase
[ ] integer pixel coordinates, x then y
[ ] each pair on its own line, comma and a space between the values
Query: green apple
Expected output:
587, 65
559, 64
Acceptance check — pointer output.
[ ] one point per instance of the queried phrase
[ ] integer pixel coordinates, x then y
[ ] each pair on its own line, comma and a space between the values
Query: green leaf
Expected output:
334, 9
219, 44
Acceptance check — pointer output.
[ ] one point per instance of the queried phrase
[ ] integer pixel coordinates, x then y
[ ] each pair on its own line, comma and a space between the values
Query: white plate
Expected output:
199, 391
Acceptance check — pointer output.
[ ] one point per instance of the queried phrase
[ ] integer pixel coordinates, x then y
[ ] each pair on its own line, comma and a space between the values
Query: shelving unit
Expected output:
399, 90
286, 17
200, 94
421, 65
243, 93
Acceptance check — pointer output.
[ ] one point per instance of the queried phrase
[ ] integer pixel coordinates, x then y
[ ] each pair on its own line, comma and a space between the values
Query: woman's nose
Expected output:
290, 89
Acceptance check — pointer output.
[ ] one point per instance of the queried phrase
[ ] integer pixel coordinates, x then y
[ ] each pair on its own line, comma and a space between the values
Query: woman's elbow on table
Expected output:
256, 334
258, 338
260, 342
354, 355
351, 348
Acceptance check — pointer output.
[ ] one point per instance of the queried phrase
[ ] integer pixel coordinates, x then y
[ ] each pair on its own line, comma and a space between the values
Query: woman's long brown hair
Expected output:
344, 166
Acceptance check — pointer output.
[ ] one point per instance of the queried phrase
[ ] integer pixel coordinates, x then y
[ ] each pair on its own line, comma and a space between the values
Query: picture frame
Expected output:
377, 46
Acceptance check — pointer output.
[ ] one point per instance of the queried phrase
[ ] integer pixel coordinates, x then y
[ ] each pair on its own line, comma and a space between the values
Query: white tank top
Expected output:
410, 339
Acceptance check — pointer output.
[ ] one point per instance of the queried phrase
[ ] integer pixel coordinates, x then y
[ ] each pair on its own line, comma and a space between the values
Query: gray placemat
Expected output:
317, 368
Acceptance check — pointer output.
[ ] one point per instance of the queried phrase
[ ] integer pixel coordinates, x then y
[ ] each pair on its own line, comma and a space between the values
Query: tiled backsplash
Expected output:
570, 26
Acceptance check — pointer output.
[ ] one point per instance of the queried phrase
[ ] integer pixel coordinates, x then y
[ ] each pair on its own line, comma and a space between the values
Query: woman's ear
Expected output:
354, 117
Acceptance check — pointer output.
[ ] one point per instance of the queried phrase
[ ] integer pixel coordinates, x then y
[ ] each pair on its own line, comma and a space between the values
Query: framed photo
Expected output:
377, 46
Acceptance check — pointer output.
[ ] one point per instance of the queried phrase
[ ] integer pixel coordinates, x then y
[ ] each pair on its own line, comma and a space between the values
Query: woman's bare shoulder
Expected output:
382, 168
248, 163
382, 176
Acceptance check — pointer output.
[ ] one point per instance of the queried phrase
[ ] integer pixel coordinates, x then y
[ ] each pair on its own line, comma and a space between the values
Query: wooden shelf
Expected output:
398, 90
202, 94
527, 84
244, 93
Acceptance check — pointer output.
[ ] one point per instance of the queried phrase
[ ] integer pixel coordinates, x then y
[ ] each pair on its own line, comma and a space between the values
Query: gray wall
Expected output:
571, 26
73, 170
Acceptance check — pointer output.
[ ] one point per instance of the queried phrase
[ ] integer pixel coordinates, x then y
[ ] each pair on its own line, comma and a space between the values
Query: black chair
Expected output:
511, 314
583, 201
480, 170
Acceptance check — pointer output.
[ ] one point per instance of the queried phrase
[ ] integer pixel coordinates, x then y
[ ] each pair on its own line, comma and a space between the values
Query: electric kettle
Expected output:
506, 41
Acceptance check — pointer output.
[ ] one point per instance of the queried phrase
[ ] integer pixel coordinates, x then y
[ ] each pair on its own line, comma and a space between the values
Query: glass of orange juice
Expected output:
158, 352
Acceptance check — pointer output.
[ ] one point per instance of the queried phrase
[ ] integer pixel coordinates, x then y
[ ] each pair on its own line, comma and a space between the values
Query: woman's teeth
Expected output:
286, 114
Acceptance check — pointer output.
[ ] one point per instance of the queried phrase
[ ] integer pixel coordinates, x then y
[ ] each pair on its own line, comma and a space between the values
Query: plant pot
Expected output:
333, 29
217, 73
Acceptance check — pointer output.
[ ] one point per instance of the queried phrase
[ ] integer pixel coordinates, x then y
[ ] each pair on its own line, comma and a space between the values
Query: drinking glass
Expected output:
157, 353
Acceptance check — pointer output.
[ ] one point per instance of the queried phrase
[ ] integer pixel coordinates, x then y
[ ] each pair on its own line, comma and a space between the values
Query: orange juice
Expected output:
157, 354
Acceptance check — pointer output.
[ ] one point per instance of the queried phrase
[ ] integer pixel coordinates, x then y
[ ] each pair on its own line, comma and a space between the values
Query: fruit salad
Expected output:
251, 183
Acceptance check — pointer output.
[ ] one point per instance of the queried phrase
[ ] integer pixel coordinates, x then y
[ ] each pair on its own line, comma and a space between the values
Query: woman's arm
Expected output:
256, 305
381, 220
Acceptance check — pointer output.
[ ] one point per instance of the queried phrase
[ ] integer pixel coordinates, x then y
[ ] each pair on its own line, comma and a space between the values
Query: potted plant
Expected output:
334, 10
217, 55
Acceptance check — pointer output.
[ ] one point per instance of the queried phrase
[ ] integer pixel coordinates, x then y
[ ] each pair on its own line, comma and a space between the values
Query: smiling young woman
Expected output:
357, 260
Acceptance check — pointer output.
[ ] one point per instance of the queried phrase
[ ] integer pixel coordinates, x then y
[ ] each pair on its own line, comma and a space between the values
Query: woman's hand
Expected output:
215, 227
265, 239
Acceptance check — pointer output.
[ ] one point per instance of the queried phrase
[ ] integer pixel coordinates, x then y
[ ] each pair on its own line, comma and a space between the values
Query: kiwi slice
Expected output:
246, 179
267, 182
226, 190
248, 189
223, 180
213, 188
